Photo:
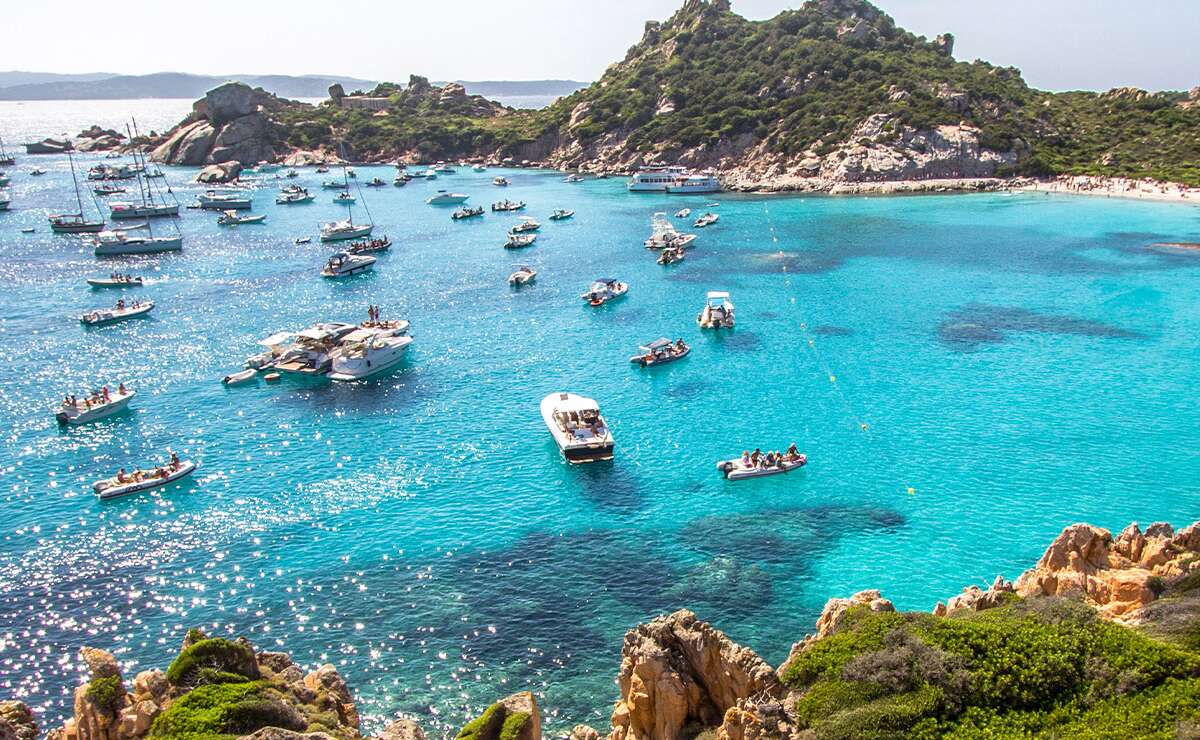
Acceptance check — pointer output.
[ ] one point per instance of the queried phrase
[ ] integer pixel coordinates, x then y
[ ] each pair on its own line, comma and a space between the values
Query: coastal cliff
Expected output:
1100, 638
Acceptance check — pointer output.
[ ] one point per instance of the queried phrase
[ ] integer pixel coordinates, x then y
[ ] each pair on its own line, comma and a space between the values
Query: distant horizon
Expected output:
1068, 45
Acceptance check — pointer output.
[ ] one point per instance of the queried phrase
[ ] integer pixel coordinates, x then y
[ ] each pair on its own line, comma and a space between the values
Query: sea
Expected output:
968, 374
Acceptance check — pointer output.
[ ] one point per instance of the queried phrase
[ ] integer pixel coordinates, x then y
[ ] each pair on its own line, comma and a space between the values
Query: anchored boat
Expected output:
142, 480
93, 408
119, 313
717, 312
344, 264
577, 427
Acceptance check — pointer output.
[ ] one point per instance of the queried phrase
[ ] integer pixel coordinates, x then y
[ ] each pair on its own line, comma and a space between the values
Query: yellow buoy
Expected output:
832, 378
911, 490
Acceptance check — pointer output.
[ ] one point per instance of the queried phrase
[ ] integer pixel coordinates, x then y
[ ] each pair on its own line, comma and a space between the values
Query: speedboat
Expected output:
375, 182
344, 264
401, 180
561, 215
142, 480
231, 218
307, 352
573, 178
142, 210
501, 182
291, 197
109, 243
663, 234
683, 213
367, 352
743, 468
604, 290
336, 231
344, 198
670, 255
707, 219
115, 281
660, 352
524, 274
508, 205
334, 185
527, 225
91, 409
120, 312
214, 201
577, 427
517, 241
74, 223
462, 213
717, 312
382, 244
446, 198
105, 190
242, 376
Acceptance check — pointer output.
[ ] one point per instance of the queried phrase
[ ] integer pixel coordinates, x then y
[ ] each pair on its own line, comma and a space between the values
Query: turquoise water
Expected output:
1020, 362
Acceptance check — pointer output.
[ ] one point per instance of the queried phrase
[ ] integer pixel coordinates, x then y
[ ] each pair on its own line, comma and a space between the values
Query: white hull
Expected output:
109, 488
376, 361
111, 316
109, 283
140, 245
735, 470
144, 211
577, 449
244, 376
342, 235
75, 417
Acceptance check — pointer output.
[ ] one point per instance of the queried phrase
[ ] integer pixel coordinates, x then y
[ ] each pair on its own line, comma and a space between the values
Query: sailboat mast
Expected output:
75, 180
346, 185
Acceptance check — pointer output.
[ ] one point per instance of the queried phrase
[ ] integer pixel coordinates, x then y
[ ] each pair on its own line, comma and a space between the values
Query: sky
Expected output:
1058, 44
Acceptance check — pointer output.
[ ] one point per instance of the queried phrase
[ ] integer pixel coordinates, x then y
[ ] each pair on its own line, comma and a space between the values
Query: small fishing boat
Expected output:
683, 213
604, 290
376, 182
523, 274
242, 376
382, 244
142, 480
231, 218
334, 184
500, 182
344, 264
660, 352
706, 220
108, 190
670, 255
463, 213
215, 201
116, 281
518, 241
717, 312
292, 197
527, 225
743, 468
446, 198
344, 198
508, 205
302, 240
561, 215
577, 427
95, 407
120, 312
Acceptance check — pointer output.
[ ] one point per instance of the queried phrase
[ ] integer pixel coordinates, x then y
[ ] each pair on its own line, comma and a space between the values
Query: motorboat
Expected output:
344, 198
401, 180
116, 281
142, 480
231, 218
573, 178
508, 205
701, 183
655, 179
376, 182
322, 169
717, 312
663, 234
74, 223
428, 174
561, 215
446, 198
242, 376
120, 211
744, 467
660, 352
4, 179
479, 168
523, 274
707, 219
307, 352
105, 171
444, 169
350, 173
381, 244
95, 407
37, 172
462, 213
103, 190
344, 264
670, 255
110, 243
336, 231
334, 184
604, 290
291, 174
367, 352
293, 197
214, 201
577, 427
683, 213
120, 312
301, 240
518, 241
500, 182
527, 225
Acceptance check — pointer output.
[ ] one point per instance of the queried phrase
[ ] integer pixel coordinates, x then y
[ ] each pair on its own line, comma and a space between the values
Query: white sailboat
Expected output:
151, 203
346, 229
75, 223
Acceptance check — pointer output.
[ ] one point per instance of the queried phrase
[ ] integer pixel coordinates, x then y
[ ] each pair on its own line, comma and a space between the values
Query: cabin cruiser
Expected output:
660, 352
517, 241
500, 182
375, 182
336, 231
366, 352
94, 407
344, 198
702, 183
683, 213
115, 281
758, 465
307, 352
663, 234
717, 312
231, 218
142, 210
707, 219
577, 427
561, 215
214, 201
527, 225
573, 178
523, 274
334, 185
508, 205
381, 244
604, 290
462, 213
74, 223
291, 197
345, 264
120, 312
143, 480
670, 255
655, 179
446, 198
109, 243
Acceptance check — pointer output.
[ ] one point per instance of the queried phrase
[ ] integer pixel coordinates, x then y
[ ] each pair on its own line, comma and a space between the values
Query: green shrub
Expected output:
485, 726
106, 693
514, 723
212, 661
205, 711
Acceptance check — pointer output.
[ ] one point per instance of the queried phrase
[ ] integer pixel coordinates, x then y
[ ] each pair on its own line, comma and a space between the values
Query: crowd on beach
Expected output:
759, 459
98, 398
1117, 187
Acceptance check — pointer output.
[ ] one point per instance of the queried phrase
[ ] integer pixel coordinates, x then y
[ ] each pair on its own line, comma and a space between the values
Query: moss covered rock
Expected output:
227, 710
212, 661
513, 718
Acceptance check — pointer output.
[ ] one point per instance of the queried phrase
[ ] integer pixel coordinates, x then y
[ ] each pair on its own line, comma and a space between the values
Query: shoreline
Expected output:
1115, 187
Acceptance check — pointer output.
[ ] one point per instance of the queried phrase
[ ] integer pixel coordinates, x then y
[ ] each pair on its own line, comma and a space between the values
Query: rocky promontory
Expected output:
231, 123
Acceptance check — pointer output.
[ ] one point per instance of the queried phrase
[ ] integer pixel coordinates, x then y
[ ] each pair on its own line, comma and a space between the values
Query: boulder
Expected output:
231, 100
99, 702
152, 686
524, 703
976, 599
677, 672
220, 173
337, 92
584, 732
16, 722
187, 145
402, 729
246, 139
332, 693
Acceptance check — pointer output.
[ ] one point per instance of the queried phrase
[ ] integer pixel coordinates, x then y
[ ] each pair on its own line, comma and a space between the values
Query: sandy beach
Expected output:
1115, 187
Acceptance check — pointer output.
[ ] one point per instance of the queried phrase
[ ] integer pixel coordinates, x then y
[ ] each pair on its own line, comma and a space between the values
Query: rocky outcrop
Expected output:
96, 139
678, 672
1120, 575
515, 717
16, 722
976, 599
833, 614
220, 173
402, 729
231, 123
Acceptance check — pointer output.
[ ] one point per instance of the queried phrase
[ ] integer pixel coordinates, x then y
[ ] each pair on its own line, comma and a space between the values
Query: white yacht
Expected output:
446, 198
308, 352
214, 201
345, 264
655, 179
367, 352
522, 275
663, 234
93, 409
577, 427
604, 290
109, 243
142, 210
702, 183
706, 220
717, 312
337, 231
291, 197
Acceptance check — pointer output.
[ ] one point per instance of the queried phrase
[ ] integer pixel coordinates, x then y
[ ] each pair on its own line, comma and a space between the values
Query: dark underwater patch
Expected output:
967, 329
828, 330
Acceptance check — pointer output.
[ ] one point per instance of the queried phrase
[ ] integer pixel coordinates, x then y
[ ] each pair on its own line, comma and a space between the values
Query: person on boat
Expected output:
121, 388
120, 304
756, 457
745, 458
121, 477
175, 461
104, 394
792, 452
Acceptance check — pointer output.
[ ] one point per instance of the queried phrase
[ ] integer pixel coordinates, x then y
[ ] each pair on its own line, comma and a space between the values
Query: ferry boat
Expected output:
91, 409
655, 179
142, 480
702, 183
577, 427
